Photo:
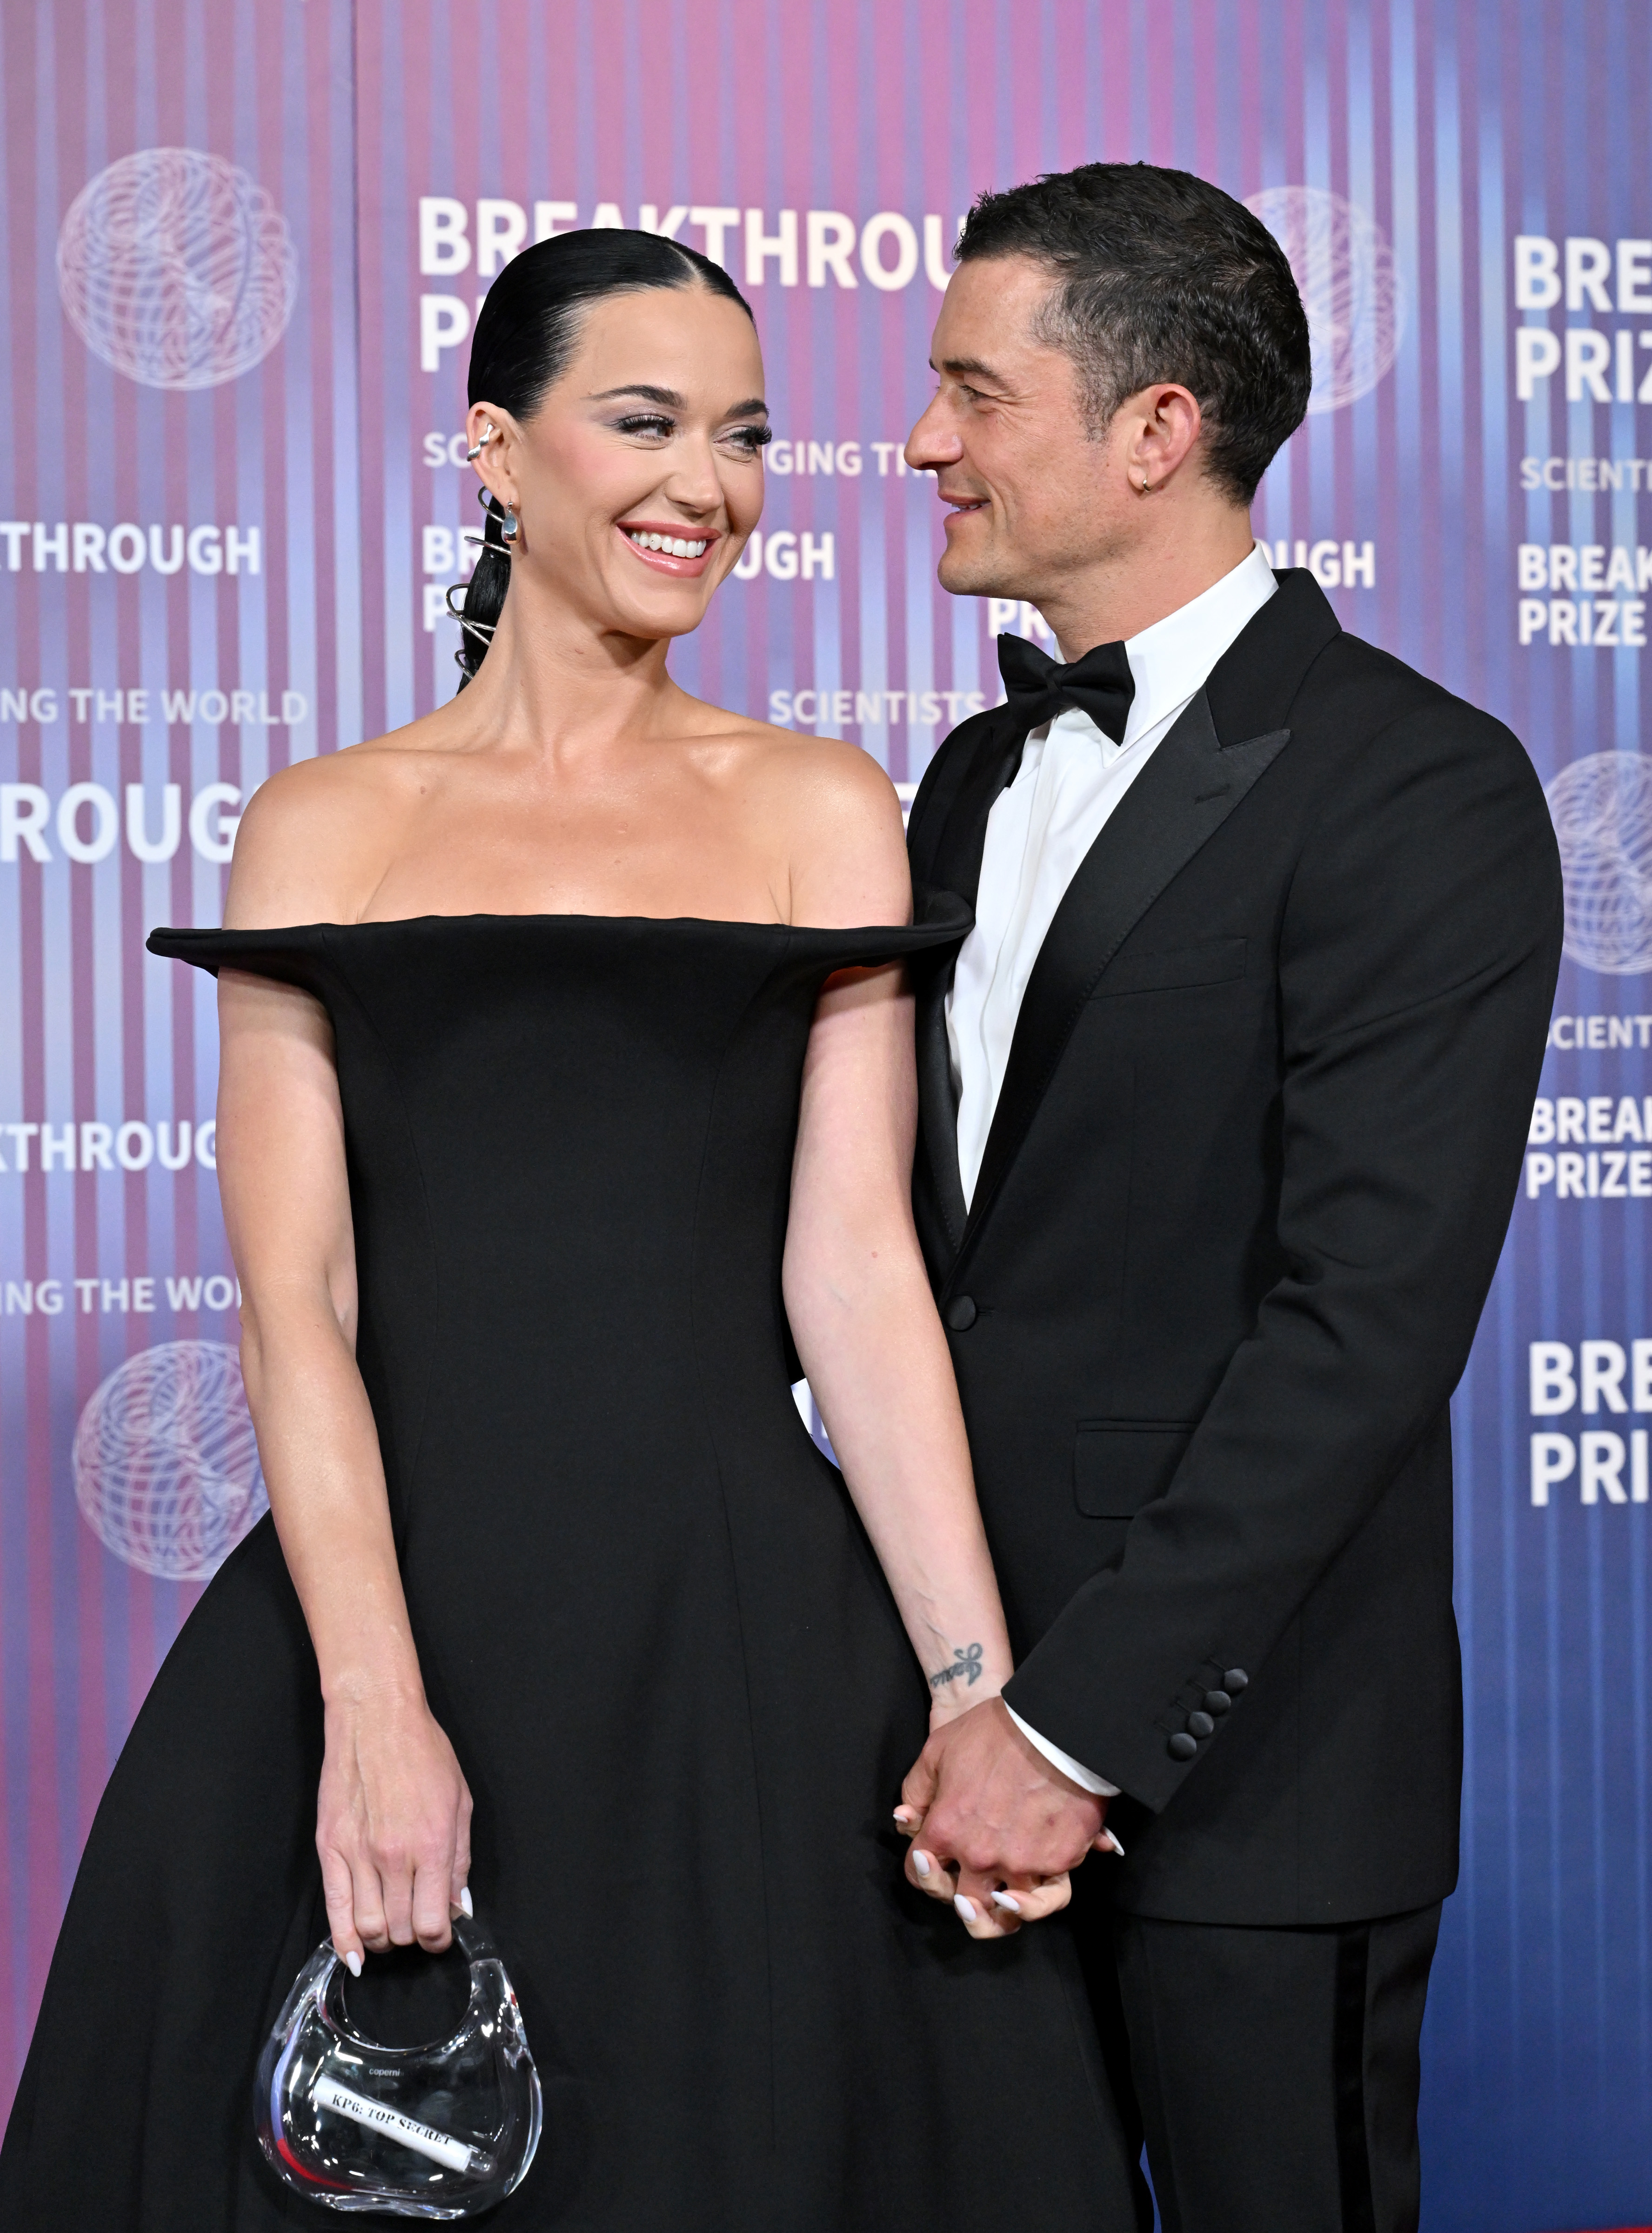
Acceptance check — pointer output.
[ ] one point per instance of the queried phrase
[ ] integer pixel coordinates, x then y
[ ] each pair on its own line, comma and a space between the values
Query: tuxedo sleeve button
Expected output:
1217, 1701
1234, 1681
1200, 1725
1182, 1747
961, 1314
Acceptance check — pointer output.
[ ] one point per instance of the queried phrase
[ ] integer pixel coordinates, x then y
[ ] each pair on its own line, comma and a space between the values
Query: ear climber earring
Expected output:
477, 448
482, 630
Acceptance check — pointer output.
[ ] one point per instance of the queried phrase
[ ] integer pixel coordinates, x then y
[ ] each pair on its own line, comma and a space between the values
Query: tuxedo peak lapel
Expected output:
955, 855
931, 809
1180, 800
947, 855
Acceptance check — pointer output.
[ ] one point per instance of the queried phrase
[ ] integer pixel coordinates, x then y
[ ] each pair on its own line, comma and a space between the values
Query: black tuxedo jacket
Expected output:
1243, 1195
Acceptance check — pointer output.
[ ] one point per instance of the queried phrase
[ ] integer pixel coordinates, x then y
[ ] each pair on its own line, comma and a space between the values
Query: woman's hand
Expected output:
392, 1814
999, 1904
995, 1827
392, 1828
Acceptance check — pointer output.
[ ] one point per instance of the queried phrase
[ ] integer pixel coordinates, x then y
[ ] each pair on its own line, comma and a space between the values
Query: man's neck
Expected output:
1132, 589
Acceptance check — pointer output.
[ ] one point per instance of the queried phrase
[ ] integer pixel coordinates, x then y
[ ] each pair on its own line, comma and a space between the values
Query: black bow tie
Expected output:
1099, 684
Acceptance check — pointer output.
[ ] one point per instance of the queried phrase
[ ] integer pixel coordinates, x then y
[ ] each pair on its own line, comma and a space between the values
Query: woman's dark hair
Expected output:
1162, 276
526, 331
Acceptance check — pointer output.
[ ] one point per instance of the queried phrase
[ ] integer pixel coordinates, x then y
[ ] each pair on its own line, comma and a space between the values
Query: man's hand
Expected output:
995, 1827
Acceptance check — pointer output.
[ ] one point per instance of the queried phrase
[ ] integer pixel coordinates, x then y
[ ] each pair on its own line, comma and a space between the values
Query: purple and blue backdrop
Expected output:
245, 244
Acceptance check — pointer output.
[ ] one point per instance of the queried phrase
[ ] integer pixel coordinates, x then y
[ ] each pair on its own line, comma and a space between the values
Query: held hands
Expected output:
392, 1828
996, 1829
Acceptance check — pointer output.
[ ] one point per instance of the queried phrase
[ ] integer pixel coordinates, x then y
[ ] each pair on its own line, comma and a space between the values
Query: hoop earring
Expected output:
476, 450
1143, 487
510, 527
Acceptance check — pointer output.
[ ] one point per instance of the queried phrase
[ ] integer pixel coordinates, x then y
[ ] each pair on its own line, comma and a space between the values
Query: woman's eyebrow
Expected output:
668, 396
671, 400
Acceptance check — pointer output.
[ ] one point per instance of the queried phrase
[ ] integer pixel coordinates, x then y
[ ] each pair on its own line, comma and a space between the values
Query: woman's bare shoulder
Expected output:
835, 817
818, 772
315, 838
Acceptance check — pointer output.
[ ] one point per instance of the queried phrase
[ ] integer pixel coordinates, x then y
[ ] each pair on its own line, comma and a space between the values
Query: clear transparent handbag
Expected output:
440, 2131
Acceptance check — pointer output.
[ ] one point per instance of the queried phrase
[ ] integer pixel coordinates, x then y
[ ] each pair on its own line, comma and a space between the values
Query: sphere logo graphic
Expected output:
175, 268
165, 1465
1602, 809
1344, 270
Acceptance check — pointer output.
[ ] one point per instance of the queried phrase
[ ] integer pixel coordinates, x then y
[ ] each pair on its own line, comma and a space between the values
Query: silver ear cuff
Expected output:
482, 630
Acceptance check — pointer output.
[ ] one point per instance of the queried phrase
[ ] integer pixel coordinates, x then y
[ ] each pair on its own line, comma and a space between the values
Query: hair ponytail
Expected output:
526, 333
482, 598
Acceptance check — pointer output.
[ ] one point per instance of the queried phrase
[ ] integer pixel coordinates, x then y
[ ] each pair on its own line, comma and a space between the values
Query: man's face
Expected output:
1033, 492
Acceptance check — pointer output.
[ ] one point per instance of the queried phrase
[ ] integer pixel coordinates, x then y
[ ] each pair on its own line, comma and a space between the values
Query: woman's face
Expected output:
639, 476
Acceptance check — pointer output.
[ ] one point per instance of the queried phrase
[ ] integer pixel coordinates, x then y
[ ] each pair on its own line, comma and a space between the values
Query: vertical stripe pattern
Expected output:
201, 581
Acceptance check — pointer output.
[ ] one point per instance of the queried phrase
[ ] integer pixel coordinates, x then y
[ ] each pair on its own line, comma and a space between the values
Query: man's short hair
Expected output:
1160, 276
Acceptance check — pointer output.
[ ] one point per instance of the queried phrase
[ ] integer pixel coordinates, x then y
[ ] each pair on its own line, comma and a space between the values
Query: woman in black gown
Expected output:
580, 1077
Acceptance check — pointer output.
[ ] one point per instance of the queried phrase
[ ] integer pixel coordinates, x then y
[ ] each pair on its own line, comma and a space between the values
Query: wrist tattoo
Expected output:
967, 1664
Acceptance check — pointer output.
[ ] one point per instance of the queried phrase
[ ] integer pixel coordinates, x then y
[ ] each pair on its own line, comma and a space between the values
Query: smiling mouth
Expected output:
960, 506
666, 552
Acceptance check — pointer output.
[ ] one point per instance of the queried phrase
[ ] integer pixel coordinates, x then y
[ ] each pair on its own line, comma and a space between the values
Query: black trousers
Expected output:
1275, 2073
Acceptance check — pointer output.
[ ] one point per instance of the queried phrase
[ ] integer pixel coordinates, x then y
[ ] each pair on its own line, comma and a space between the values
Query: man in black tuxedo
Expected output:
1223, 1108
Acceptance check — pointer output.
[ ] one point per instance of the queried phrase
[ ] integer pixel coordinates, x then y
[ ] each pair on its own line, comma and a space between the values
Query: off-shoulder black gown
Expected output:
648, 1620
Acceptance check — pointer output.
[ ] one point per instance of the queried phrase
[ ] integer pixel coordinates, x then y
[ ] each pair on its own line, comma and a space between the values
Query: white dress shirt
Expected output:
1070, 779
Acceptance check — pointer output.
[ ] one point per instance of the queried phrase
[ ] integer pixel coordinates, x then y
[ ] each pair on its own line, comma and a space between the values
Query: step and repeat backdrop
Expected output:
245, 242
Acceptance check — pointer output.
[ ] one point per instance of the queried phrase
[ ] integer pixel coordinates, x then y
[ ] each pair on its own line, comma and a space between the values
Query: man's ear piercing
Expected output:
476, 450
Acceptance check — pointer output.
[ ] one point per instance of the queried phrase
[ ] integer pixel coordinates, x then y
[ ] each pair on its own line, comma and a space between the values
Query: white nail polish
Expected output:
1004, 1899
965, 1907
465, 1907
920, 1862
353, 1964
1113, 1841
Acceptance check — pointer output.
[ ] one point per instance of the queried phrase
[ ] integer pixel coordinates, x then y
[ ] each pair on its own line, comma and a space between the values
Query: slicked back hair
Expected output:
526, 333
1160, 276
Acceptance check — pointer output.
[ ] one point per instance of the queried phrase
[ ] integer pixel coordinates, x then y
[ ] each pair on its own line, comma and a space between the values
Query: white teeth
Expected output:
675, 546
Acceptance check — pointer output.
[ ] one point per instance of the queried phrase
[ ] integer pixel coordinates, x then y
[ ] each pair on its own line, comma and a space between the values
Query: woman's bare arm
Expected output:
392, 1813
859, 1299
867, 1331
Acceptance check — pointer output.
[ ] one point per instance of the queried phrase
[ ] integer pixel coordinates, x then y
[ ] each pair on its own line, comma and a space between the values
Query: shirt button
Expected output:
1200, 1725
1234, 1681
961, 1314
1182, 1747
